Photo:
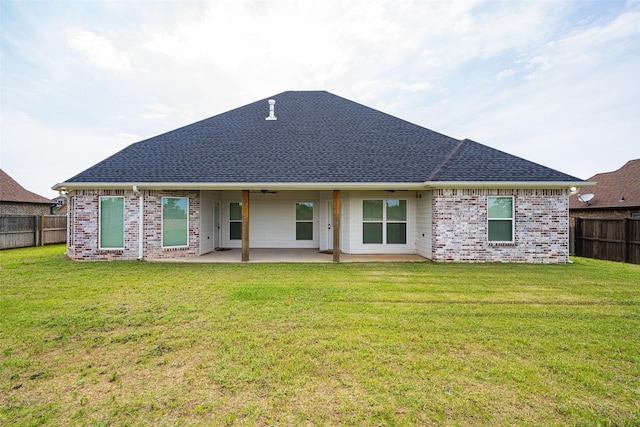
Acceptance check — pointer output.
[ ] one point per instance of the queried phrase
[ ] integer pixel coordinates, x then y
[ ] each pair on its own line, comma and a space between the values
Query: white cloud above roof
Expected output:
98, 50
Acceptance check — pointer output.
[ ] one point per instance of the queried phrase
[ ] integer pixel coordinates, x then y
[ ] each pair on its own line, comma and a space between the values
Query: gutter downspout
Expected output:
140, 222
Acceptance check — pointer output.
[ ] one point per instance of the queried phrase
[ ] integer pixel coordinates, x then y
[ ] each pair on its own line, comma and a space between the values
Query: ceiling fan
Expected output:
264, 192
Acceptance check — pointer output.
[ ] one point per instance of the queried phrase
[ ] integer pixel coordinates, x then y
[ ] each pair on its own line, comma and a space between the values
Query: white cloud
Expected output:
538, 79
156, 111
38, 155
230, 36
576, 109
371, 89
505, 73
98, 50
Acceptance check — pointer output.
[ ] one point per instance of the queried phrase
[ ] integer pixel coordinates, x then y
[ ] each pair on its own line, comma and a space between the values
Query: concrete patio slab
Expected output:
291, 256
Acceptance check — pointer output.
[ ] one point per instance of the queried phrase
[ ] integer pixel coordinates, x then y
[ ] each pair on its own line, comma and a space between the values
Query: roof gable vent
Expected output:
272, 113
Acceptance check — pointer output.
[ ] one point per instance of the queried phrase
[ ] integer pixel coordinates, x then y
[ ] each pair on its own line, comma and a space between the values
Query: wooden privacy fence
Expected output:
19, 231
612, 239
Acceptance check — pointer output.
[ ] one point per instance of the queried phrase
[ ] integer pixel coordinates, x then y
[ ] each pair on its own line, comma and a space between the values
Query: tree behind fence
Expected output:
19, 231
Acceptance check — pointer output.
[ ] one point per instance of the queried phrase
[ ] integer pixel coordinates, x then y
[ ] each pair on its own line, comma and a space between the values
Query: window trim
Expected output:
385, 221
110, 248
162, 222
512, 219
232, 221
312, 220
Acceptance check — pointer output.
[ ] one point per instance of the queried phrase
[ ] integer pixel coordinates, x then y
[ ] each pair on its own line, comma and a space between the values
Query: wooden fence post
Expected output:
36, 230
625, 239
577, 234
41, 230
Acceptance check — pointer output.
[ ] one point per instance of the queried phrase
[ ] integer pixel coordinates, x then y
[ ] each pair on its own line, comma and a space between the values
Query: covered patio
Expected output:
290, 256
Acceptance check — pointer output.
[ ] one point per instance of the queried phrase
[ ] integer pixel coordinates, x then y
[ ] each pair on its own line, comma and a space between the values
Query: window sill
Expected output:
502, 244
386, 244
175, 248
110, 250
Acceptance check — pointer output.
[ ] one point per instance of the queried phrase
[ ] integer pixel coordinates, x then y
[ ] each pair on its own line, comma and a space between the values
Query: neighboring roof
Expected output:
11, 191
612, 187
318, 137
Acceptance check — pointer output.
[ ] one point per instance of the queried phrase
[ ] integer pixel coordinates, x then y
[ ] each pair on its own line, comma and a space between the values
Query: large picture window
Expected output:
235, 221
384, 221
175, 227
304, 221
500, 219
111, 223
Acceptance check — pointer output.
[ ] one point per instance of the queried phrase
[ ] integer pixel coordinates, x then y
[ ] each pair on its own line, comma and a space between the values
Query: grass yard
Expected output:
137, 344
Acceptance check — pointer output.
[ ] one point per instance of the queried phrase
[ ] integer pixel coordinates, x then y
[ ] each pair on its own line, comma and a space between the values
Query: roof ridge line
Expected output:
446, 161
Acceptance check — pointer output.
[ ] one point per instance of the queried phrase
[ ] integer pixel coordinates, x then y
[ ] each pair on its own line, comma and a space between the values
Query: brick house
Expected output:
615, 195
16, 200
314, 170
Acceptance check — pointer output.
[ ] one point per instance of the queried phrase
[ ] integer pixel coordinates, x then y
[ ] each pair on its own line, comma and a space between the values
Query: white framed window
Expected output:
500, 219
384, 221
235, 221
175, 222
304, 221
111, 212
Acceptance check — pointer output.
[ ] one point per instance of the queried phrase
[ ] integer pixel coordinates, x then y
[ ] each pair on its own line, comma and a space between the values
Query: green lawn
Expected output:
131, 343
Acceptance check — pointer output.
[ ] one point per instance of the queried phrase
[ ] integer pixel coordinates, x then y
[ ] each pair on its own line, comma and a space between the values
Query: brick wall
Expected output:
17, 208
82, 242
541, 226
459, 226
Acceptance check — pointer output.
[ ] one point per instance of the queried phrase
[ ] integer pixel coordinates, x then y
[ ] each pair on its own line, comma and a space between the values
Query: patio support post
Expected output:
245, 225
336, 225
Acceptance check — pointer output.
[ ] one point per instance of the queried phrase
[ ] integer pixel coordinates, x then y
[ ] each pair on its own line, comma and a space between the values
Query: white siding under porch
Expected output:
354, 221
210, 221
206, 222
346, 229
272, 219
272, 222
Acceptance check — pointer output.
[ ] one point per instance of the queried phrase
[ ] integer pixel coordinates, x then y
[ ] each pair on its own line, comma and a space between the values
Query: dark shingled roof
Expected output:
318, 137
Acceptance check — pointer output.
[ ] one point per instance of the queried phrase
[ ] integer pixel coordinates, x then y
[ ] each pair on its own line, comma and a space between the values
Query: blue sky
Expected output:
555, 82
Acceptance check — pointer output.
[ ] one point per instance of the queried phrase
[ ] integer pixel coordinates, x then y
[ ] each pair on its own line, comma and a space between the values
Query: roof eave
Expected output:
507, 184
604, 208
70, 186
50, 202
